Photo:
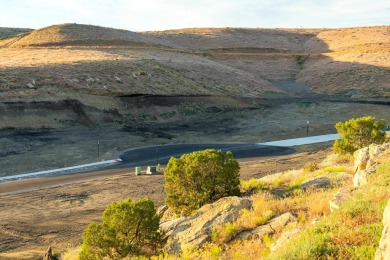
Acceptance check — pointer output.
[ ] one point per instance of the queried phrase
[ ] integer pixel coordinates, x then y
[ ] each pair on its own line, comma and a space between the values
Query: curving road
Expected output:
161, 154
139, 157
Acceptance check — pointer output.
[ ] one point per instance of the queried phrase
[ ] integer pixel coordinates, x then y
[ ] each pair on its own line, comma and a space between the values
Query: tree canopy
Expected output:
128, 229
199, 178
358, 133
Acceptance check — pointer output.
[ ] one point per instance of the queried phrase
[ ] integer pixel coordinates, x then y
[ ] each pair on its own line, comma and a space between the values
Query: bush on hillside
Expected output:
128, 229
200, 178
358, 133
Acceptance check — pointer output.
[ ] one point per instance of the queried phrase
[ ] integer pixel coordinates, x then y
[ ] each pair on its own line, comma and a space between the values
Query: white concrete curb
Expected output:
60, 170
303, 140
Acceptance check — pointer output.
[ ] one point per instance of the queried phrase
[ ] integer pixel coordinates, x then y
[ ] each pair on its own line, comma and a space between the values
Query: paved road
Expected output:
161, 154
141, 157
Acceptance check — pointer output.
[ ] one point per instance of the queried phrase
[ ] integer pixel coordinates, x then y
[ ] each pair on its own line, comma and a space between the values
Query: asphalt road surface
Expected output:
141, 157
161, 154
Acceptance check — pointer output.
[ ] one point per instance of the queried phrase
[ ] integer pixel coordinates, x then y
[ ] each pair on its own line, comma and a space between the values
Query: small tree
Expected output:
358, 133
199, 178
127, 229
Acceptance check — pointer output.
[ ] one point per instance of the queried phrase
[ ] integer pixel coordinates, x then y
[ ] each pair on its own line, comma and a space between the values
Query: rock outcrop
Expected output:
383, 251
285, 238
275, 225
342, 196
365, 162
48, 255
194, 231
320, 182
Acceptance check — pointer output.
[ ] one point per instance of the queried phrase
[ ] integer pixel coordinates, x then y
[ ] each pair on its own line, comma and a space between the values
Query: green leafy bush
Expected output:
358, 133
199, 178
128, 229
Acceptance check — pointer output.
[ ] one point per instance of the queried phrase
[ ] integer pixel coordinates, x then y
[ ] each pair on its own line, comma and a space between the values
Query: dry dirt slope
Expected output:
220, 61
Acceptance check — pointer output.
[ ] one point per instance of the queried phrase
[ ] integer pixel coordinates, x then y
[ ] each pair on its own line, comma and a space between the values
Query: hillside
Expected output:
200, 84
228, 61
6, 32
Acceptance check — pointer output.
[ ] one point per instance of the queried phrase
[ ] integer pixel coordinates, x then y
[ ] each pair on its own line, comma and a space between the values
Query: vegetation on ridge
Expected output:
198, 178
357, 133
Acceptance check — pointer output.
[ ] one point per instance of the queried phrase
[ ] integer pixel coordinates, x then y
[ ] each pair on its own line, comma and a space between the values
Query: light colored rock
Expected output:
383, 251
48, 255
360, 179
320, 182
285, 238
361, 158
118, 79
278, 223
342, 196
257, 233
168, 215
274, 225
30, 85
161, 210
194, 231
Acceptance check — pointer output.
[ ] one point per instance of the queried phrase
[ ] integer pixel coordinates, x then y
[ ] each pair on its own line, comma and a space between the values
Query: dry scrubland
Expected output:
65, 86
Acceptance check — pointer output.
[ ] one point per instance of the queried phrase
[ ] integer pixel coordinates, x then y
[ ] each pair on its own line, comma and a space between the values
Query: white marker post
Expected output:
307, 128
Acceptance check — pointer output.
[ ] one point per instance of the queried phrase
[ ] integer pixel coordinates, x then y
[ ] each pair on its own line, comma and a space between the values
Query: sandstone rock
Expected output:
285, 238
194, 231
161, 210
274, 225
361, 158
320, 182
256, 233
360, 179
383, 251
278, 223
342, 196
48, 255
168, 215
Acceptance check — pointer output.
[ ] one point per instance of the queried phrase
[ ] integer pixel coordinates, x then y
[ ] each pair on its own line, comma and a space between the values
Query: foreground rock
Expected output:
273, 226
285, 238
365, 162
383, 251
194, 231
342, 196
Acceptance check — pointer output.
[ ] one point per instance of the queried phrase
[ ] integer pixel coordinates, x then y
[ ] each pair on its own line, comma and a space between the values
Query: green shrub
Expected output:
127, 229
358, 133
199, 178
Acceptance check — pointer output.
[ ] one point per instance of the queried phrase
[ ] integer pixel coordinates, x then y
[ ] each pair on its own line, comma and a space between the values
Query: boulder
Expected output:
320, 182
274, 225
278, 223
161, 210
360, 178
361, 158
195, 230
285, 238
383, 251
342, 196
30, 85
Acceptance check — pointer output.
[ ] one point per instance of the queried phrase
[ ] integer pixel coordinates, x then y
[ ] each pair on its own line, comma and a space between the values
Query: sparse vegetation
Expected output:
128, 229
310, 167
358, 133
199, 178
